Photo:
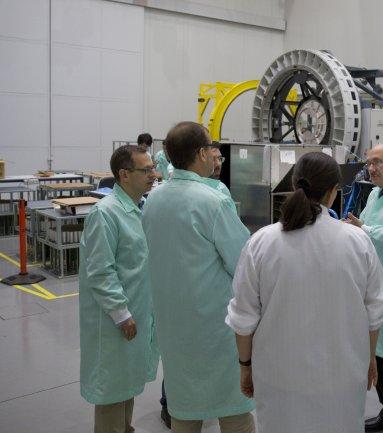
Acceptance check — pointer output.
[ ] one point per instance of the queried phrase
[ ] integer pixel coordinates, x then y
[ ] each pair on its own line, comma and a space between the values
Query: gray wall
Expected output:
77, 74
351, 29
71, 81
183, 51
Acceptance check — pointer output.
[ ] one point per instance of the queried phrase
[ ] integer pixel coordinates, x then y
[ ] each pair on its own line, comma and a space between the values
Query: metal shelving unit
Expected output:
34, 247
60, 241
9, 195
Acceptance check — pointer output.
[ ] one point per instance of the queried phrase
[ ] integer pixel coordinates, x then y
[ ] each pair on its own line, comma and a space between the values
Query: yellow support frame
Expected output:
223, 94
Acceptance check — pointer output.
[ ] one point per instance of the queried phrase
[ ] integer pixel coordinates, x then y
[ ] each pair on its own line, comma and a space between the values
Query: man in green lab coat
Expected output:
116, 324
195, 238
371, 221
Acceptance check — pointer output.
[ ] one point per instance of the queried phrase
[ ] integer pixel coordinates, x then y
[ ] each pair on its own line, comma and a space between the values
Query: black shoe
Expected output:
374, 424
166, 418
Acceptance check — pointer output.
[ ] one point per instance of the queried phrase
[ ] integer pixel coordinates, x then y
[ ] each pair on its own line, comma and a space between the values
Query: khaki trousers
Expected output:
114, 418
243, 423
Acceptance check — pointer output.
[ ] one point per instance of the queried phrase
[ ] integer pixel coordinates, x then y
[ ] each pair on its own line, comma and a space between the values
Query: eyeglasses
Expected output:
375, 162
146, 171
221, 159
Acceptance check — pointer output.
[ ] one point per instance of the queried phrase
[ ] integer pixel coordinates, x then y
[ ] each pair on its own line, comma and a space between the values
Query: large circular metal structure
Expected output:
327, 110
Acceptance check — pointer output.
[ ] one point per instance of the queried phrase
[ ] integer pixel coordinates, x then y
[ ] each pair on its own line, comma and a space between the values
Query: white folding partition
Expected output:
24, 84
70, 82
97, 89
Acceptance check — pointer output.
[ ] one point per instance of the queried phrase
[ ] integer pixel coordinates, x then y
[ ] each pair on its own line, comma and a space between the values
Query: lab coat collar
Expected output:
125, 199
324, 212
214, 183
191, 175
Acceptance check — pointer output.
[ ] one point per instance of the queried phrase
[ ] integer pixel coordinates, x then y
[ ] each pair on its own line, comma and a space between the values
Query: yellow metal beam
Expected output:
218, 113
223, 94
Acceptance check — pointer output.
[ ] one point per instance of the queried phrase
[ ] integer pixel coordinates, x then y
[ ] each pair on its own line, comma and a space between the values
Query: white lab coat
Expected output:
311, 295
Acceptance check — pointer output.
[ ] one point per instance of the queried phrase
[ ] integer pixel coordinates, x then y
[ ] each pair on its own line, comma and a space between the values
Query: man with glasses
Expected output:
215, 177
116, 322
218, 161
194, 244
371, 221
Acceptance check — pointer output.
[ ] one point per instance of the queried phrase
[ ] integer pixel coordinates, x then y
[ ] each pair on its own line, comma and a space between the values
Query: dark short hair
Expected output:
314, 175
123, 158
183, 142
145, 139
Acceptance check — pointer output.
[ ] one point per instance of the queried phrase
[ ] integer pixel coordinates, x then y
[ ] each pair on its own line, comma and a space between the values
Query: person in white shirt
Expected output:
307, 308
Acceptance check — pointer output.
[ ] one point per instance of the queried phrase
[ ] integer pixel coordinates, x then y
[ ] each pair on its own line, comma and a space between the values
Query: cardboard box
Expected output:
2, 169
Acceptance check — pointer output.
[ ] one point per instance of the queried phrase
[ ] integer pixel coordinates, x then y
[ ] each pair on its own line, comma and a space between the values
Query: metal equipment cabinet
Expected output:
60, 241
34, 247
9, 195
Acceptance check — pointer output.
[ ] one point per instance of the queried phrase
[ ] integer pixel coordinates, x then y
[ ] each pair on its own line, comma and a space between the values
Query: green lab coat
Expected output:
195, 238
372, 217
218, 185
114, 275
162, 164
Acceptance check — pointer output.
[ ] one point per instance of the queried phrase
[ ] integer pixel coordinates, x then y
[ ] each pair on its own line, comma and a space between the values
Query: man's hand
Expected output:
128, 328
372, 374
247, 387
352, 219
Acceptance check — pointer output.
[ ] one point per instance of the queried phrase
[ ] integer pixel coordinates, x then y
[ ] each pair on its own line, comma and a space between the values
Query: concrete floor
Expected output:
39, 361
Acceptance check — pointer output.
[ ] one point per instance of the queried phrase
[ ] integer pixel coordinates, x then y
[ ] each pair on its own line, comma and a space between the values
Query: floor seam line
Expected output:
38, 392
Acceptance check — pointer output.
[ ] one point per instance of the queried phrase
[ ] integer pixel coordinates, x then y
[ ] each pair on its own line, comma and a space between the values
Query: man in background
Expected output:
371, 221
145, 141
163, 165
218, 161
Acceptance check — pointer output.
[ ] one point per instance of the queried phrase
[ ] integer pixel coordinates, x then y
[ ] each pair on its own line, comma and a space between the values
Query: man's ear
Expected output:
202, 154
121, 174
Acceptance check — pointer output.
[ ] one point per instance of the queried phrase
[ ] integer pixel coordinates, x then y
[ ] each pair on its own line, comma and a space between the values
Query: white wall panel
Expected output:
183, 51
76, 22
122, 76
99, 69
336, 26
23, 67
122, 27
76, 159
24, 120
76, 123
24, 160
119, 121
76, 71
105, 159
24, 84
27, 19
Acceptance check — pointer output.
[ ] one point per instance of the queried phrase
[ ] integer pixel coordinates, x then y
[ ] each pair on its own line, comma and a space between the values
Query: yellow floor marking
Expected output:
69, 295
30, 291
41, 291
9, 259
44, 291
15, 262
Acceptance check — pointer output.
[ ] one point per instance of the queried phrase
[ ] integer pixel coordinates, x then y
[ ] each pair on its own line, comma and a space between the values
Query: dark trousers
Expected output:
163, 400
379, 385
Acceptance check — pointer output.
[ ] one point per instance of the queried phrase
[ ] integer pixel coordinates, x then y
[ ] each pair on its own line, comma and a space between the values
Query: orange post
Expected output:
22, 238
23, 277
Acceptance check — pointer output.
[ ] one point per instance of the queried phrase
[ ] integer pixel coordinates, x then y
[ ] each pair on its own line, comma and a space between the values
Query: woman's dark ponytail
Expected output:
314, 175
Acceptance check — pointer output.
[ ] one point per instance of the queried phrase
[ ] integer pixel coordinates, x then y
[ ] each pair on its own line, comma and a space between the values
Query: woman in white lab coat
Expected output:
306, 311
